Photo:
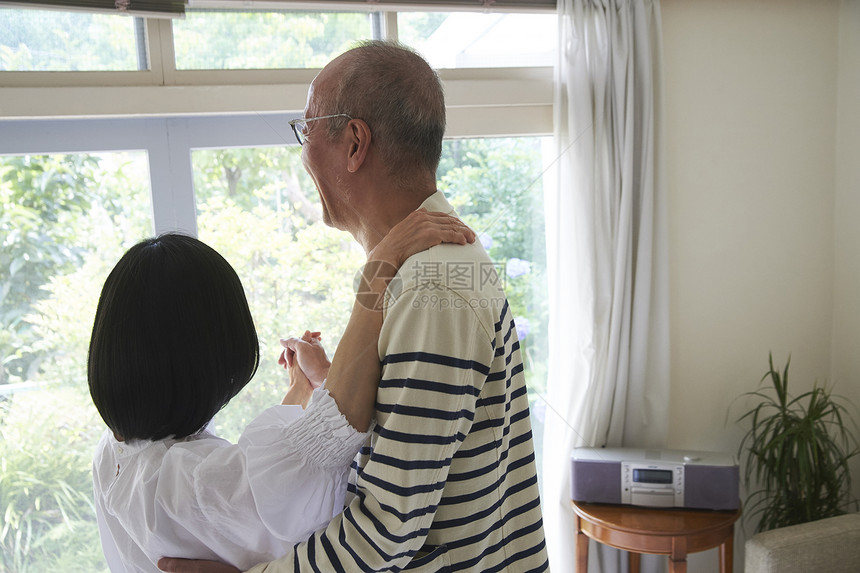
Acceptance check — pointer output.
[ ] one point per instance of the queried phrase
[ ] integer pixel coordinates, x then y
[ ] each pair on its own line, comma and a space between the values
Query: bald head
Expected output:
398, 95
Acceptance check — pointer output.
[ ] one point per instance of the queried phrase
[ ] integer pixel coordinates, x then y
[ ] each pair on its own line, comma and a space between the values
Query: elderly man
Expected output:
448, 481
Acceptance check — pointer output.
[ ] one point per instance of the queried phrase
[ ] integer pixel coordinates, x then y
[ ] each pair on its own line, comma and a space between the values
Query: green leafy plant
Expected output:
798, 450
47, 518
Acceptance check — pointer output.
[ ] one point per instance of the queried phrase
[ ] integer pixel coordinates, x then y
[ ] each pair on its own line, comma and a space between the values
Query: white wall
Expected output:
763, 135
846, 298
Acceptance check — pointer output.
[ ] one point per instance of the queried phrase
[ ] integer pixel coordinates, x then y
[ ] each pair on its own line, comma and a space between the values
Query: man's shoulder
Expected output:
450, 280
465, 269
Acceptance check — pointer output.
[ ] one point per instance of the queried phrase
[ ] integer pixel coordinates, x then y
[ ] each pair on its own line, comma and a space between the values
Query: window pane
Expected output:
258, 207
496, 187
64, 221
264, 40
49, 40
478, 40
260, 210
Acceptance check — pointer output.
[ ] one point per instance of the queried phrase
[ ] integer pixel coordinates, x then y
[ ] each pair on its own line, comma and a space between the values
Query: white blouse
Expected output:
202, 497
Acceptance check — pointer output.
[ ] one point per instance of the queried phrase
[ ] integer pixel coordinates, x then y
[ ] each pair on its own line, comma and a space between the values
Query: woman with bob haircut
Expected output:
173, 342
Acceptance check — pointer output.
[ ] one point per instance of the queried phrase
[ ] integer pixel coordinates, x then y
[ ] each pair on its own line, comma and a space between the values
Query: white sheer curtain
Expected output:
607, 252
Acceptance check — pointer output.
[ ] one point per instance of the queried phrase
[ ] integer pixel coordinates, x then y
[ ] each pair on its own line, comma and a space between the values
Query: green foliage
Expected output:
46, 491
413, 28
265, 40
40, 197
253, 177
495, 185
46, 40
293, 281
798, 454
41, 40
68, 218
56, 212
259, 209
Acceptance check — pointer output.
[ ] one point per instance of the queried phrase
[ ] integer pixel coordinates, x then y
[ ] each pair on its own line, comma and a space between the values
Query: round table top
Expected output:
655, 520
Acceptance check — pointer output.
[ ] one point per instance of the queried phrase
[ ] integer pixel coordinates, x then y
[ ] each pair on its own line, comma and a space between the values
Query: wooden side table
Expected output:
672, 532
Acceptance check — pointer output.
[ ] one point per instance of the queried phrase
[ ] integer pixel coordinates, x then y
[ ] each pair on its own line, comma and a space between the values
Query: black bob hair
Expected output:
173, 339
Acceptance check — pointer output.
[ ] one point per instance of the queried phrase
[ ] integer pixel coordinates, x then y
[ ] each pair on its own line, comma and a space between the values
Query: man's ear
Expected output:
359, 134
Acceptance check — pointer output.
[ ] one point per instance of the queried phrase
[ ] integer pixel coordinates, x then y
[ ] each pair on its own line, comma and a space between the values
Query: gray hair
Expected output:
400, 97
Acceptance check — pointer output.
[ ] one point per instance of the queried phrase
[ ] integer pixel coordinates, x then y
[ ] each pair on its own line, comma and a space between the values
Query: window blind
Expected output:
142, 8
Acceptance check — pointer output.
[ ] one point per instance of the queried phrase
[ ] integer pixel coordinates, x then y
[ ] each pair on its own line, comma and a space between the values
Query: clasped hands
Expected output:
308, 365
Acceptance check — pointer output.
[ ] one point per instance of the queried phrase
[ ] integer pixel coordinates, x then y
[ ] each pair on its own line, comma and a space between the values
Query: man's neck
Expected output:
388, 210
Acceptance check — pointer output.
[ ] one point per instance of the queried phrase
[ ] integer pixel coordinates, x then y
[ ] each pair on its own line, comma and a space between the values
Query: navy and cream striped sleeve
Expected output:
448, 480
436, 352
437, 357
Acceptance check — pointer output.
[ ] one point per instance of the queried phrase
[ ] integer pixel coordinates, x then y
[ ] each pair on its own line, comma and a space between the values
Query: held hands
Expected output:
308, 354
300, 391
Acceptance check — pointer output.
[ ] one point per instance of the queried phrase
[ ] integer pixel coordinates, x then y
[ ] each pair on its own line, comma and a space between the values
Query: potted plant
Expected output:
797, 449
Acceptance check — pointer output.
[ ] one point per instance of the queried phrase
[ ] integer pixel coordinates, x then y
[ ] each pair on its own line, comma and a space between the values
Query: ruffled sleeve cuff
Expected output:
321, 433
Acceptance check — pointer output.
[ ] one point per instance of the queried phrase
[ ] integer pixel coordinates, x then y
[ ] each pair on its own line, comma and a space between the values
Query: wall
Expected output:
754, 183
846, 299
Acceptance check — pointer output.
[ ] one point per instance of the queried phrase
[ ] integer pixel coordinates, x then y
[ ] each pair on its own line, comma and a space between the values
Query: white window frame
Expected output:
169, 112
168, 143
481, 102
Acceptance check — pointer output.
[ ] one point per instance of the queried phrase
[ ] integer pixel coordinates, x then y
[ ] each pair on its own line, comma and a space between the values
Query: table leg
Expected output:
678, 557
633, 561
727, 553
581, 548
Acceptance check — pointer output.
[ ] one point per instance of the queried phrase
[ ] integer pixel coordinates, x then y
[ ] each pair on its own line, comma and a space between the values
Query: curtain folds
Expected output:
607, 250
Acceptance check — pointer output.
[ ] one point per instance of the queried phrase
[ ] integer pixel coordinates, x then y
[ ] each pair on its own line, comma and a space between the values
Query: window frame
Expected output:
168, 142
167, 112
480, 100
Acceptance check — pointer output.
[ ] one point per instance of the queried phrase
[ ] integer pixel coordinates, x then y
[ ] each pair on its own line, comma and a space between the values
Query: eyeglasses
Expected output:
300, 125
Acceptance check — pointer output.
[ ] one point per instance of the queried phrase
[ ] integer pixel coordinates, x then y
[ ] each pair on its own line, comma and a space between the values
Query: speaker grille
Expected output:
711, 487
595, 482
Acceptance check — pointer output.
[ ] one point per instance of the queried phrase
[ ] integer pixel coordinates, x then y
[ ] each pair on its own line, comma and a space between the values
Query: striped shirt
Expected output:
448, 480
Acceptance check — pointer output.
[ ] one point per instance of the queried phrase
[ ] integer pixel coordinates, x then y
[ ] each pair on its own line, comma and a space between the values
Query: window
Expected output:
258, 207
228, 39
214, 156
480, 40
232, 40
496, 186
50, 40
65, 219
